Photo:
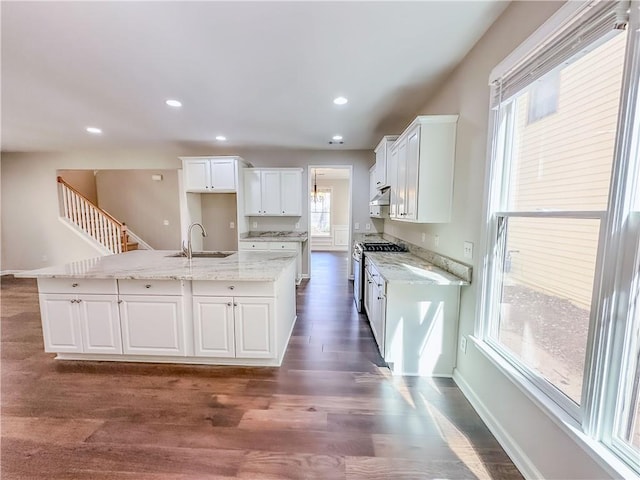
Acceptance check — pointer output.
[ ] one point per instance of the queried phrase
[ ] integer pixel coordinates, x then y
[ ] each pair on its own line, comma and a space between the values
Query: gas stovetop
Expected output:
382, 247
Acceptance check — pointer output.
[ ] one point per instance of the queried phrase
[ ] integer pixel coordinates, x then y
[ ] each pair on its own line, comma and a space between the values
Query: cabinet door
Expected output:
60, 323
401, 191
223, 175
152, 325
252, 192
197, 175
368, 293
392, 169
291, 193
100, 323
413, 166
378, 326
381, 166
213, 327
373, 191
271, 192
254, 327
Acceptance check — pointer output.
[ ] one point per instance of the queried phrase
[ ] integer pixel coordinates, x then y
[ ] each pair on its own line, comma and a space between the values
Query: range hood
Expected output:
382, 198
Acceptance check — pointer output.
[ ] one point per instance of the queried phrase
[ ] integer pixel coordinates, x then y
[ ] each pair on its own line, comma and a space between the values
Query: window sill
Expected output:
596, 450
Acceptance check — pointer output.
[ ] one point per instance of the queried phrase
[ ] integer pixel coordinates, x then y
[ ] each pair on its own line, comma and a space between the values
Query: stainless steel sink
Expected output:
203, 254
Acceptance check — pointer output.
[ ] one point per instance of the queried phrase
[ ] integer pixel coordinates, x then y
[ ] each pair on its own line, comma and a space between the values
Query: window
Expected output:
561, 232
321, 212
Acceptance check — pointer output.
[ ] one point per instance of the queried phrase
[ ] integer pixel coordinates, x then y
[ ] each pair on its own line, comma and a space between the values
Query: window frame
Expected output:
594, 421
329, 190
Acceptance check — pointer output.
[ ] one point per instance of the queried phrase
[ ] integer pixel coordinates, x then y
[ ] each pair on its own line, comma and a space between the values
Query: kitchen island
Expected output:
151, 306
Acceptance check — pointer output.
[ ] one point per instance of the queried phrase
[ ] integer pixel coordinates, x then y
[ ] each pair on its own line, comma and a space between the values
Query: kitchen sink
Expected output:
203, 254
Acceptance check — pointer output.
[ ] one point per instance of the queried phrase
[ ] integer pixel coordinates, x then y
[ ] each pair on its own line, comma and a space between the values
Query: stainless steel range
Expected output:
359, 249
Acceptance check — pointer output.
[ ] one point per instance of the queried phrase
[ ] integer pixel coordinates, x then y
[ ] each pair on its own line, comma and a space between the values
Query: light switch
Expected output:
356, 226
367, 226
297, 225
165, 223
436, 240
232, 225
255, 224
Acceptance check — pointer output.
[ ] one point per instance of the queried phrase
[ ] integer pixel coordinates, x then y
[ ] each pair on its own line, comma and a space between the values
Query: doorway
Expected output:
330, 212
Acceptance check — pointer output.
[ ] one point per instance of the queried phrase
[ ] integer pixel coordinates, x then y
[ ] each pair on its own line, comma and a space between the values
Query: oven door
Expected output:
357, 281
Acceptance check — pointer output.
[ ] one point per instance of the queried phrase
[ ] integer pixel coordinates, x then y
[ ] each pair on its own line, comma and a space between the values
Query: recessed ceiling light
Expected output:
173, 103
94, 130
221, 138
340, 100
337, 138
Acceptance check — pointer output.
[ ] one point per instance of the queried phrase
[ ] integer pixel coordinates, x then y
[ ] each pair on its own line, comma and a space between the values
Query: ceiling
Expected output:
263, 74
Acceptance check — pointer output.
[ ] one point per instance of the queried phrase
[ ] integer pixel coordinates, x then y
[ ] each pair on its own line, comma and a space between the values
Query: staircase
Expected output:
111, 234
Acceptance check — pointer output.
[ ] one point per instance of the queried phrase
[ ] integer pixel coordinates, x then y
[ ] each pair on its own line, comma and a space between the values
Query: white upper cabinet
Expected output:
422, 181
373, 191
210, 174
383, 152
273, 191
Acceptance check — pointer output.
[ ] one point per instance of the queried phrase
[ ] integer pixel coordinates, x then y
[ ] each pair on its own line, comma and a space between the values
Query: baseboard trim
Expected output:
520, 459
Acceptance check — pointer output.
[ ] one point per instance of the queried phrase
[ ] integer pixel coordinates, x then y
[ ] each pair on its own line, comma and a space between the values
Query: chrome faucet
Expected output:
188, 251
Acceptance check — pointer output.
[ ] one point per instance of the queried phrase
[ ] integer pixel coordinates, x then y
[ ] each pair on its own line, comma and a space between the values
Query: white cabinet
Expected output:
392, 176
213, 327
375, 303
273, 192
373, 191
422, 187
210, 174
236, 327
77, 322
293, 247
152, 317
81, 324
383, 152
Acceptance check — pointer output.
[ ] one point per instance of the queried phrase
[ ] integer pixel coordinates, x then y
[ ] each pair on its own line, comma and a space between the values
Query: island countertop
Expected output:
160, 265
409, 268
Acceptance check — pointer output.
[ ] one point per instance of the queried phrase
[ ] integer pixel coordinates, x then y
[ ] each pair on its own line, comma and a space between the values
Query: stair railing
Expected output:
91, 219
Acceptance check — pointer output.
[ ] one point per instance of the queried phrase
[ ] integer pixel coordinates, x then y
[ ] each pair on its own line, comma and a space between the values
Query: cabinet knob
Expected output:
148, 285
282, 211
119, 301
228, 304
235, 304
74, 285
231, 287
73, 301
78, 301
379, 298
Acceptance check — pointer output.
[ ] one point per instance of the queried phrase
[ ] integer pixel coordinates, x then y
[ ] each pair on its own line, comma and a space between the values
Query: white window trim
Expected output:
591, 440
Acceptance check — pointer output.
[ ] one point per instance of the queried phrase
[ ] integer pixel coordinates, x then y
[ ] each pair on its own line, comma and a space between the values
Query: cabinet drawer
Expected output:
235, 289
150, 287
78, 285
253, 246
283, 246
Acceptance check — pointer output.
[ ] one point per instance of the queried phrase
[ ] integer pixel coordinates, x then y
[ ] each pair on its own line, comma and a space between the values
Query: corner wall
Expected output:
543, 449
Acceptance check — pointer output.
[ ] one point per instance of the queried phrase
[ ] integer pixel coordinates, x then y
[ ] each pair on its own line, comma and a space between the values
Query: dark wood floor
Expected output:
332, 411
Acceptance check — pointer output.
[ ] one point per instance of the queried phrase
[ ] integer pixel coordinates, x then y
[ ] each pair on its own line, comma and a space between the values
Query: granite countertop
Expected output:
408, 268
157, 265
274, 236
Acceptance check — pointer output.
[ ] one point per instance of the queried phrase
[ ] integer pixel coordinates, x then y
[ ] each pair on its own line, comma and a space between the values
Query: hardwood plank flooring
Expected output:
332, 411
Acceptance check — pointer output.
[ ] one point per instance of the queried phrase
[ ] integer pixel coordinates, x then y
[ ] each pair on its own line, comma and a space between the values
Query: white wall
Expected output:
34, 237
547, 448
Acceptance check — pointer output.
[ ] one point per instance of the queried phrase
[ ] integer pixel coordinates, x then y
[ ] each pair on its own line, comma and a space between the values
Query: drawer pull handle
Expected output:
74, 285
148, 285
231, 287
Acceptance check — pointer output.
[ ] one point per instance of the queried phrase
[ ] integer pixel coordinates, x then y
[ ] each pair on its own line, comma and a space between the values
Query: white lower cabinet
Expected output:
293, 247
213, 329
240, 327
152, 325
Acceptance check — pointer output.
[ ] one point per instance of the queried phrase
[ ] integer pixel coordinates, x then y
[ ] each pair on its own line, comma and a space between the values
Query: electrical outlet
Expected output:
463, 344
232, 225
367, 226
356, 226
436, 240
255, 225
165, 223
297, 225
424, 237
468, 250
